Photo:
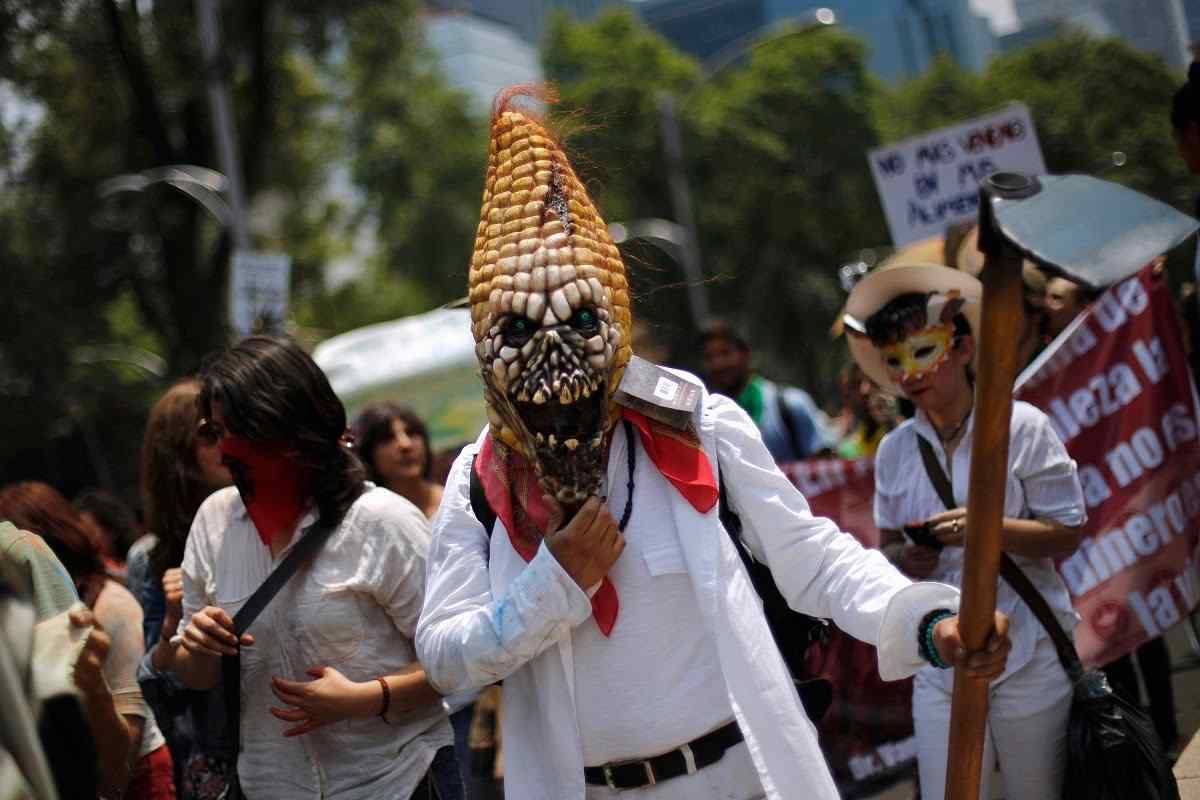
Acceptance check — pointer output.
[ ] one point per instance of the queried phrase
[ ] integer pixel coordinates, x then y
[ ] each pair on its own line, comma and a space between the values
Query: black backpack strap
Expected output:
480, 506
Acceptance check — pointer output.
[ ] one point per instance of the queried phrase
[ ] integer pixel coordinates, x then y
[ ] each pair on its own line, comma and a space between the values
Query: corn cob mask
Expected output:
549, 309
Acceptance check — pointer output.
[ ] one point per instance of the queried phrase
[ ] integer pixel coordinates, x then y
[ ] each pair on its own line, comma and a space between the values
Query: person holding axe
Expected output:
917, 340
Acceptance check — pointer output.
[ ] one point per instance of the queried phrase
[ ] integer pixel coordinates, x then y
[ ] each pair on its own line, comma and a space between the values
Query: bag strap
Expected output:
231, 666
1009, 571
480, 506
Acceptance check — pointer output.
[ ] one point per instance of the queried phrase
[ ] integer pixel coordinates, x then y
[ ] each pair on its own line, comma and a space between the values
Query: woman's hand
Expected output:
89, 668
210, 632
172, 584
332, 697
917, 561
950, 527
987, 663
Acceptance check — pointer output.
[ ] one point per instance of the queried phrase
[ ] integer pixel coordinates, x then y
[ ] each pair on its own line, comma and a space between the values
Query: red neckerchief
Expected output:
273, 486
512, 490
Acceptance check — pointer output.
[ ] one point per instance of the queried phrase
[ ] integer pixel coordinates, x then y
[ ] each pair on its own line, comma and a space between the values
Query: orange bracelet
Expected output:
387, 699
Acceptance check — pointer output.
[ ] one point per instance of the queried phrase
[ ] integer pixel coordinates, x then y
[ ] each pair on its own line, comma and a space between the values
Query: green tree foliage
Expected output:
418, 151
1089, 98
784, 192
774, 152
609, 74
106, 286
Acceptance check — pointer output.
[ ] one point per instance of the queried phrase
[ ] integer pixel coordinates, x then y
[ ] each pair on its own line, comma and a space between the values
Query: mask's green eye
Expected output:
518, 331
585, 320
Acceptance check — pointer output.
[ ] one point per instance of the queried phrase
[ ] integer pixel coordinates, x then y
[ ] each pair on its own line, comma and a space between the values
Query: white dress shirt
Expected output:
354, 607
490, 615
1042, 483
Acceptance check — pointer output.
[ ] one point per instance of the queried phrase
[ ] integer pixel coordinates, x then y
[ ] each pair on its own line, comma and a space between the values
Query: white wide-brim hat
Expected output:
886, 284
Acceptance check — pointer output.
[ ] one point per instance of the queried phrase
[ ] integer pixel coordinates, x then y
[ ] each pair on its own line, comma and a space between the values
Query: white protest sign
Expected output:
931, 181
258, 292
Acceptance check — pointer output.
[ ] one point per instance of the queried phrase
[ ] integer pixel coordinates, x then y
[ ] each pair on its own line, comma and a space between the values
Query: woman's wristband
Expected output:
925, 643
387, 698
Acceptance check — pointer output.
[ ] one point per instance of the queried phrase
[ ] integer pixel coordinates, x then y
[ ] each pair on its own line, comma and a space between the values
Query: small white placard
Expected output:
258, 292
930, 181
666, 389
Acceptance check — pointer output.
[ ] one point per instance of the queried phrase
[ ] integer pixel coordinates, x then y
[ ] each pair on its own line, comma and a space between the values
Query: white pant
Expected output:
732, 778
1026, 729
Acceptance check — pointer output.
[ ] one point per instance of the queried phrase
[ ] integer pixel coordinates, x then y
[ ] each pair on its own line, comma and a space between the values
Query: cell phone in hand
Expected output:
920, 534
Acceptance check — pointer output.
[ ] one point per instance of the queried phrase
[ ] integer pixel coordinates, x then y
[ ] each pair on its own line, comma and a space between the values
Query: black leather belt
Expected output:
684, 760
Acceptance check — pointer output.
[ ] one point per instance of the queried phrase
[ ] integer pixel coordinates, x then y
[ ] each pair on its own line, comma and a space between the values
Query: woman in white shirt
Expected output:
914, 338
333, 703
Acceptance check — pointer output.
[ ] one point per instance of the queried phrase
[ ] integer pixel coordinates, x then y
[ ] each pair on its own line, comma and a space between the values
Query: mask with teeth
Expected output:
549, 309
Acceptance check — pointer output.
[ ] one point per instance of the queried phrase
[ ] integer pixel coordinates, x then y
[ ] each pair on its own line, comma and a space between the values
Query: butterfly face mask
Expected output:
918, 354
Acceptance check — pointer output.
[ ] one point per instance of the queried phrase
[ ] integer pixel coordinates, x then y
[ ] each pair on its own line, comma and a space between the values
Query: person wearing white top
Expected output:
586, 565
691, 650
332, 701
917, 341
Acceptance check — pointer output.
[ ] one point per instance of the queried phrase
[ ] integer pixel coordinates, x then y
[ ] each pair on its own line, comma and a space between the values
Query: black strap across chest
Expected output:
231, 666
1012, 574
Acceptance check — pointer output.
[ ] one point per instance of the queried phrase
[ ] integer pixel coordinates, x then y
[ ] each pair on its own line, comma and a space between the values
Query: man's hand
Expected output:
89, 668
173, 589
588, 545
210, 632
987, 663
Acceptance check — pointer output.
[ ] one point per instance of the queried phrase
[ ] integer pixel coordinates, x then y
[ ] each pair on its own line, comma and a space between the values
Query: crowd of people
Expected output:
301, 608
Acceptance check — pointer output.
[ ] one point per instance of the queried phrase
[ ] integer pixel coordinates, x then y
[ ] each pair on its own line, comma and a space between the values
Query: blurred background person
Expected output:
127, 736
1065, 299
113, 525
792, 426
179, 469
393, 443
867, 414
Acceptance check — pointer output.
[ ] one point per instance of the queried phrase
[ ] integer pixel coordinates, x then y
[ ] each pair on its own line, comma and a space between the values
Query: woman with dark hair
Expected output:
349, 713
918, 342
393, 443
112, 523
179, 470
128, 733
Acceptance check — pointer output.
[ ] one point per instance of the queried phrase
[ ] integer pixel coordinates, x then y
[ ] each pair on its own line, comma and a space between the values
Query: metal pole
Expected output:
681, 202
222, 118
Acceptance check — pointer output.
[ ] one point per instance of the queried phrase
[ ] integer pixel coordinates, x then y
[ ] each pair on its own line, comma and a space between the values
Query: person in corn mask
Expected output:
578, 555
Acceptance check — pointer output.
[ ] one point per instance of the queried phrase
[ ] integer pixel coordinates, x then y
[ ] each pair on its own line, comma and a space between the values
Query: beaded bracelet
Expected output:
925, 645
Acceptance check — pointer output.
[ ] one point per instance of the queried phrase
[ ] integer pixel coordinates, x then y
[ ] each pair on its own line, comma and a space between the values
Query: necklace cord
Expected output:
631, 460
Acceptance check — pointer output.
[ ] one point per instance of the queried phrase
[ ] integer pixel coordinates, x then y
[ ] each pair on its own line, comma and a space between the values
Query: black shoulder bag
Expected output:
1113, 752
231, 666
792, 631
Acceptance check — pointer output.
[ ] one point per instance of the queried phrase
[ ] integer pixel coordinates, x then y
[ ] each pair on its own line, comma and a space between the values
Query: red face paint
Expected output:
273, 484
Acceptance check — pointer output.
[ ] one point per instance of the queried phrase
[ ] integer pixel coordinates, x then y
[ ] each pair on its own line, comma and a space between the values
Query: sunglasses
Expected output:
209, 432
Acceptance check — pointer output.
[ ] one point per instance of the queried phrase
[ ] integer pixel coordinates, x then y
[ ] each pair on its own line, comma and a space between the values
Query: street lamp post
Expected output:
681, 195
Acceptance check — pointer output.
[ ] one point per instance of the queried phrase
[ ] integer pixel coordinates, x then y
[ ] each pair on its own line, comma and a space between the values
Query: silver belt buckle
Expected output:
646, 766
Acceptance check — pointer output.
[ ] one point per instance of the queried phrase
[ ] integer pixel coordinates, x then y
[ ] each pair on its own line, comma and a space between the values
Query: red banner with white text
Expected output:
1119, 393
867, 734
